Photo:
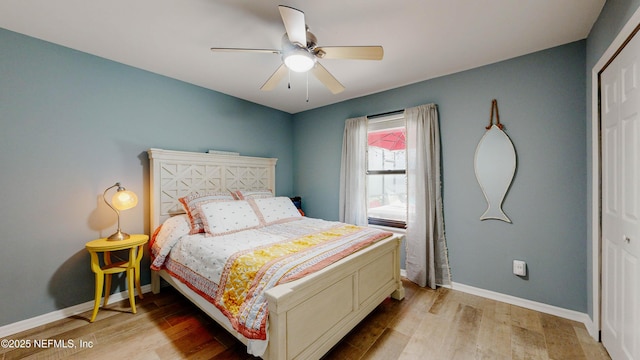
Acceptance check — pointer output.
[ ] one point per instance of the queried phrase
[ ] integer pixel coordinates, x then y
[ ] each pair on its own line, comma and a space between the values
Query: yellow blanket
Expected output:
248, 274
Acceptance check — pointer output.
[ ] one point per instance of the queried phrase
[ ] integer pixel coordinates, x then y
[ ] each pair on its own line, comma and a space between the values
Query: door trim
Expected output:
627, 32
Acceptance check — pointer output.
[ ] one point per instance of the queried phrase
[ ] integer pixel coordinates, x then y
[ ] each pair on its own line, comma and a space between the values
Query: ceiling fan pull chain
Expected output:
307, 86
289, 81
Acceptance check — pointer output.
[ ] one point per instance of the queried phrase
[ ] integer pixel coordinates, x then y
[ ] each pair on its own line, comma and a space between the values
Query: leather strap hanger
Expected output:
494, 105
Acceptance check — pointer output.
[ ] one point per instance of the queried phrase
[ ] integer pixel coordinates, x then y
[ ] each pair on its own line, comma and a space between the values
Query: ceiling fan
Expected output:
300, 52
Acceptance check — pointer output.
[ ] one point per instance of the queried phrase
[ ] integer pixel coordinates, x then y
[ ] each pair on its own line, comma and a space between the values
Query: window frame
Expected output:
394, 120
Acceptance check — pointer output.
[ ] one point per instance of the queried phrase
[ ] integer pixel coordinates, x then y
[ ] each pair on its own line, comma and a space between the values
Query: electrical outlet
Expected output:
519, 268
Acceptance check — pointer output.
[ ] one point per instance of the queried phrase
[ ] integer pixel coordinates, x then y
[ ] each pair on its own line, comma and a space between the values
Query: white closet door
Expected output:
620, 133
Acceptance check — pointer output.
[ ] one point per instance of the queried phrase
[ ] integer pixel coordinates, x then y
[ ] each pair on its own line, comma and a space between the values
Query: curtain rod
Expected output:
394, 112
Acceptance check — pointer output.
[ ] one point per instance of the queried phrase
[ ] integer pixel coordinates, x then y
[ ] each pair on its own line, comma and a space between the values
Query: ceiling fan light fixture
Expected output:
299, 60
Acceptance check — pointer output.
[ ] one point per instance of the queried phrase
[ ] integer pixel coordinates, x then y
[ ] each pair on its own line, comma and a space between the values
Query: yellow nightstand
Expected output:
135, 245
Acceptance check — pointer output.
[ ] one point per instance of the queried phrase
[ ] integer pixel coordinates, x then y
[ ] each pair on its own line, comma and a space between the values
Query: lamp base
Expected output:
118, 235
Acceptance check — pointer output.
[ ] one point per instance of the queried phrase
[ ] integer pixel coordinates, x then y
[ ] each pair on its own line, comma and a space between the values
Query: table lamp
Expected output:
121, 200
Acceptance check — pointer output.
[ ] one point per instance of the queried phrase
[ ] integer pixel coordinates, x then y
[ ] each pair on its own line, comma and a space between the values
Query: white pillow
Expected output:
225, 217
276, 209
190, 204
253, 194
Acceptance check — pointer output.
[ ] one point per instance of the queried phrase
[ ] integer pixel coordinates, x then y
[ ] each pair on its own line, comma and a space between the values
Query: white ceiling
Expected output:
422, 39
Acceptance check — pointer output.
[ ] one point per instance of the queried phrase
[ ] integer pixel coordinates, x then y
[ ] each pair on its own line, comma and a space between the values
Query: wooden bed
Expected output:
307, 317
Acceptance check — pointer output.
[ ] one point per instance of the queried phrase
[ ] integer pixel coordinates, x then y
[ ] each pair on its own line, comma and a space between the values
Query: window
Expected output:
386, 171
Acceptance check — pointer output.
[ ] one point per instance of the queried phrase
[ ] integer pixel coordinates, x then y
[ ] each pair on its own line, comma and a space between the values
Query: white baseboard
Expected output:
593, 330
533, 305
33, 322
584, 318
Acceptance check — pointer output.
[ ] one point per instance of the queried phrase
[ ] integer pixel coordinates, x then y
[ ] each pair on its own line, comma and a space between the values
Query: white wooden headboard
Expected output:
174, 174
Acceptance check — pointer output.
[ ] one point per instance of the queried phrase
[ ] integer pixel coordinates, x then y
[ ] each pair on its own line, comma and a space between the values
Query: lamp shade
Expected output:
299, 60
124, 200
121, 200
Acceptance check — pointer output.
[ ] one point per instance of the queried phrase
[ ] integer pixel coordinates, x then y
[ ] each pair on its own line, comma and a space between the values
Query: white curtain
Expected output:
427, 260
353, 196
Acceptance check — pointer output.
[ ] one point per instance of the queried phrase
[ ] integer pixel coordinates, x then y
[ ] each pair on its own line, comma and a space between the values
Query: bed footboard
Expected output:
309, 316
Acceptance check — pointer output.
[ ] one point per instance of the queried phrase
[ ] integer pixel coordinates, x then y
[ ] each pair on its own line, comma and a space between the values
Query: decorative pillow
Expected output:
190, 204
225, 217
276, 209
253, 194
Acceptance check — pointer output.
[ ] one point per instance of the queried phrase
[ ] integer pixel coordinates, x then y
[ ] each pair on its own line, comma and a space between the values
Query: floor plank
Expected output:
494, 338
428, 324
527, 344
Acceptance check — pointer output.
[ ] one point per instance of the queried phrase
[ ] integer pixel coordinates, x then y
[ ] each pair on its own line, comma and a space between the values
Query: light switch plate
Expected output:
519, 268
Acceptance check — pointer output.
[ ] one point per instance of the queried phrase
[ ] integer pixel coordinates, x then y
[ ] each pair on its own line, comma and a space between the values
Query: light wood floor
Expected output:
427, 324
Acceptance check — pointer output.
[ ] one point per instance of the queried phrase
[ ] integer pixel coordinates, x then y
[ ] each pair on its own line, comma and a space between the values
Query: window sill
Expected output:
394, 230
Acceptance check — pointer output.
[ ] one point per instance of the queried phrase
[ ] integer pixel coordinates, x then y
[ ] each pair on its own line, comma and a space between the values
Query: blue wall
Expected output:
71, 125
542, 104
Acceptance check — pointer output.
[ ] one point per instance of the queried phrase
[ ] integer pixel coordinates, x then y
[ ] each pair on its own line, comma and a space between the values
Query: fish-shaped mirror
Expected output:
495, 166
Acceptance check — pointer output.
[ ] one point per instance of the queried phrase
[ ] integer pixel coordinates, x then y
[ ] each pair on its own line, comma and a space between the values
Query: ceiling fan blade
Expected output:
275, 78
266, 51
327, 79
350, 52
294, 24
